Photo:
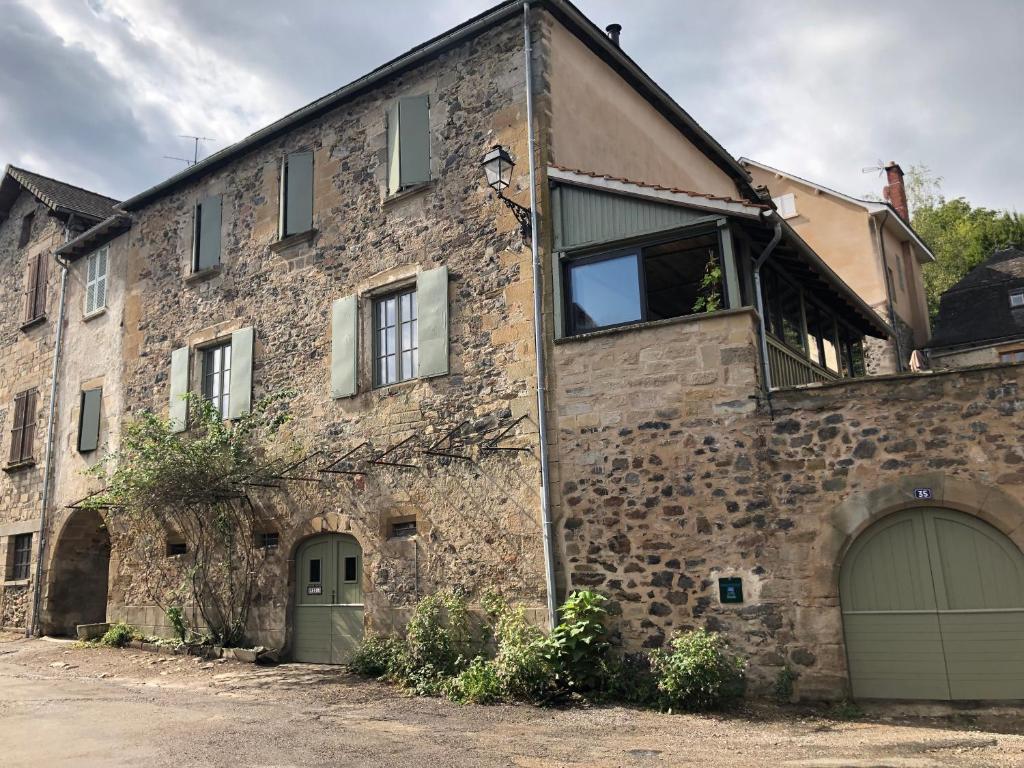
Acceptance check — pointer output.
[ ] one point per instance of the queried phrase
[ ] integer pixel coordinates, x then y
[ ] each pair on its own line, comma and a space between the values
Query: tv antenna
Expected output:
195, 146
872, 168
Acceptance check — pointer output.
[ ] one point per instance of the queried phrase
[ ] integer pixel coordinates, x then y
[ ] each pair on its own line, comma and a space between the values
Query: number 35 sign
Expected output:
922, 493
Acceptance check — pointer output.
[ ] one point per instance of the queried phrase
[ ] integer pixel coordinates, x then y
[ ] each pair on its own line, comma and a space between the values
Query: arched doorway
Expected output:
79, 570
933, 608
328, 612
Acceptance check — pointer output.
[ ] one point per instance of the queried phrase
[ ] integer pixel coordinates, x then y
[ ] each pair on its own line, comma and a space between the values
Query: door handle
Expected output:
332, 597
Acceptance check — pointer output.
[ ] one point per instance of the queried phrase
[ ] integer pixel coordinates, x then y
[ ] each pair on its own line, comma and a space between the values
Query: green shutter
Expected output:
89, 421
209, 234
394, 175
298, 214
344, 347
414, 140
432, 303
240, 400
178, 413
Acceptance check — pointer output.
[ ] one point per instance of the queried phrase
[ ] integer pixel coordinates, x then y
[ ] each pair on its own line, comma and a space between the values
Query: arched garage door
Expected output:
933, 608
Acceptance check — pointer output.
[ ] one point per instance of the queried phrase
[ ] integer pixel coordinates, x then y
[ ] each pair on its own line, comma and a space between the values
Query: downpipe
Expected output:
32, 627
538, 337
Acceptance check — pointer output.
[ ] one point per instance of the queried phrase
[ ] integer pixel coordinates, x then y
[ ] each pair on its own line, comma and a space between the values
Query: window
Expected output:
396, 350
21, 556
350, 568
23, 432
296, 193
403, 529
408, 143
851, 353
206, 234
314, 571
267, 539
35, 288
217, 377
1017, 298
26, 229
1014, 356
96, 281
176, 547
673, 279
786, 205
89, 420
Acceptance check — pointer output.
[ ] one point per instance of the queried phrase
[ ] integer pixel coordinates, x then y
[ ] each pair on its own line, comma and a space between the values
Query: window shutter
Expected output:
432, 301
89, 421
30, 288
101, 279
90, 284
344, 346
298, 215
209, 233
18, 430
414, 140
40, 297
394, 174
28, 438
240, 391
178, 413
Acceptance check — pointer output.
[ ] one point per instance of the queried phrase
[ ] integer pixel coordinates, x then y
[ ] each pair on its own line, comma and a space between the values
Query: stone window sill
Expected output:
204, 274
405, 194
94, 314
299, 238
33, 322
17, 582
17, 466
387, 389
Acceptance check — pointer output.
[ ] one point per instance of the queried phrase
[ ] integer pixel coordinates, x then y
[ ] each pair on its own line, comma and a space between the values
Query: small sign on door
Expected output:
922, 493
314, 589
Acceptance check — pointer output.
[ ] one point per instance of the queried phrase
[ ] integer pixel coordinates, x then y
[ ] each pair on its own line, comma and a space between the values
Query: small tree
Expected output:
197, 485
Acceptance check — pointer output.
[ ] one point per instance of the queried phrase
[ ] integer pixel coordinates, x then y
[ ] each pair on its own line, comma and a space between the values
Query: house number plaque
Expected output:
314, 589
730, 590
922, 493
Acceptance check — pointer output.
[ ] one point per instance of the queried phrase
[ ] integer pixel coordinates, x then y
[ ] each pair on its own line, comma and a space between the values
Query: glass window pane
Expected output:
392, 372
314, 570
407, 365
604, 293
789, 314
390, 317
683, 277
350, 569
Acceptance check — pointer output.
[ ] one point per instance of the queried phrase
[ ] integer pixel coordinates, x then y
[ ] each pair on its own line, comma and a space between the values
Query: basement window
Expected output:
176, 547
644, 284
267, 539
403, 529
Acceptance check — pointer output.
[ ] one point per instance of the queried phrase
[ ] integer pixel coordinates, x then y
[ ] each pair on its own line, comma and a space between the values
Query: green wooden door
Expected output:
933, 608
328, 600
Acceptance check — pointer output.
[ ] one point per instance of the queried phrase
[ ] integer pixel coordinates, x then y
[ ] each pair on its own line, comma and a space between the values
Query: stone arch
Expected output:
78, 577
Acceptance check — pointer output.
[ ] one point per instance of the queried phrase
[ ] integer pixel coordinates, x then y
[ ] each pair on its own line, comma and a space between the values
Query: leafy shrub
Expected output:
521, 660
119, 634
378, 656
178, 623
578, 646
479, 683
699, 673
438, 635
631, 680
783, 689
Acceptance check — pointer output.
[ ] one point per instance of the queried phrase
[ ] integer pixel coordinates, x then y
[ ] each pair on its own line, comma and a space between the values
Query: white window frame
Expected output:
1017, 298
786, 205
405, 352
95, 281
216, 376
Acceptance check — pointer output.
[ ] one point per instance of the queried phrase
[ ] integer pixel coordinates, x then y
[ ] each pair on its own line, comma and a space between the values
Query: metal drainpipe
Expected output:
759, 297
538, 337
888, 294
37, 592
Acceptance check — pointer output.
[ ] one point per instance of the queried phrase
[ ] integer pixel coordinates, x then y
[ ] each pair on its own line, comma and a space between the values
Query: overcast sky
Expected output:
95, 92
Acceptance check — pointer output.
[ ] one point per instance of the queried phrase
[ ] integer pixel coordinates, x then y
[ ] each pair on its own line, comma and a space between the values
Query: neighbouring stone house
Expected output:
714, 454
37, 215
981, 318
870, 245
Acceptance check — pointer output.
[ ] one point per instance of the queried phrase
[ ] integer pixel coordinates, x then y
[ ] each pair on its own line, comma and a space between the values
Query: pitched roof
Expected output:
58, 196
976, 311
563, 10
873, 207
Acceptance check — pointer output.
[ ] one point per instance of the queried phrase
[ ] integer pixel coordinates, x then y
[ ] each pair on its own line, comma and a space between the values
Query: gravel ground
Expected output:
61, 704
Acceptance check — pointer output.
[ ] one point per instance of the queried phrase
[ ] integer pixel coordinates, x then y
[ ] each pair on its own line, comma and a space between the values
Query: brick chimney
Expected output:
894, 191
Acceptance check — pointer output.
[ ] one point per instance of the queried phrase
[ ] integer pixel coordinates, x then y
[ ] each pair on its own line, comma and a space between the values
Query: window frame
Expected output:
1017, 298
222, 400
83, 395
591, 255
395, 295
27, 224
21, 557
36, 278
96, 279
26, 439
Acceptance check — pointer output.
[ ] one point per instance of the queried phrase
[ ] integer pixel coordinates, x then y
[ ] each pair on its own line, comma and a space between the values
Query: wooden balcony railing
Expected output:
789, 369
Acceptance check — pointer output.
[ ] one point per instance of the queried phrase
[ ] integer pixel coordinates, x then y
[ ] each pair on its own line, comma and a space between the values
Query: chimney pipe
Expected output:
895, 191
614, 30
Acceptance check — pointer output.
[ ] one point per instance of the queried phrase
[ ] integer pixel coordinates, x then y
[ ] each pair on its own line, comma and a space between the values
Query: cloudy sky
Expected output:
96, 92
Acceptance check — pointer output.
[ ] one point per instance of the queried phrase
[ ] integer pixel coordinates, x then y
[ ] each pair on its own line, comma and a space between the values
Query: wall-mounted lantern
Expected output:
498, 165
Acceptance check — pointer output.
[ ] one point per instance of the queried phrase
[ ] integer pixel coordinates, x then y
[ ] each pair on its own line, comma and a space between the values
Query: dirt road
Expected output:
61, 705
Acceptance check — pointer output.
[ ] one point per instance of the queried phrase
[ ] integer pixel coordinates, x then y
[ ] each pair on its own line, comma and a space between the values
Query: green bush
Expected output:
438, 635
631, 680
479, 683
577, 648
178, 623
119, 634
378, 656
783, 689
699, 673
521, 662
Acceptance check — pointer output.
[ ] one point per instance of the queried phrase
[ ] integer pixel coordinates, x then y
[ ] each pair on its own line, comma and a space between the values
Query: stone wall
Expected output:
670, 477
477, 521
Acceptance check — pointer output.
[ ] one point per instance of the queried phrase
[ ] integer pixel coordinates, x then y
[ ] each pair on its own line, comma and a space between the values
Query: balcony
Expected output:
790, 369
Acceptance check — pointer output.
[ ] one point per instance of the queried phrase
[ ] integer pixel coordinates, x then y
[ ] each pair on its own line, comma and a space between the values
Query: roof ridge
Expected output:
113, 200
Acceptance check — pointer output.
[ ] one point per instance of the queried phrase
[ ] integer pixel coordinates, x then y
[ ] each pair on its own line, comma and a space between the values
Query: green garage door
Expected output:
328, 600
933, 608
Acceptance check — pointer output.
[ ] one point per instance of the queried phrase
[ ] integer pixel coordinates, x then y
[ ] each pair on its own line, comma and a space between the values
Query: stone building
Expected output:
870, 245
712, 452
37, 215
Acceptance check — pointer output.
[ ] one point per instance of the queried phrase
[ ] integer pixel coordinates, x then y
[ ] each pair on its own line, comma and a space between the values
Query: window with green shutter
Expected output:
296, 193
206, 236
408, 143
96, 281
89, 420
35, 288
396, 348
23, 431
